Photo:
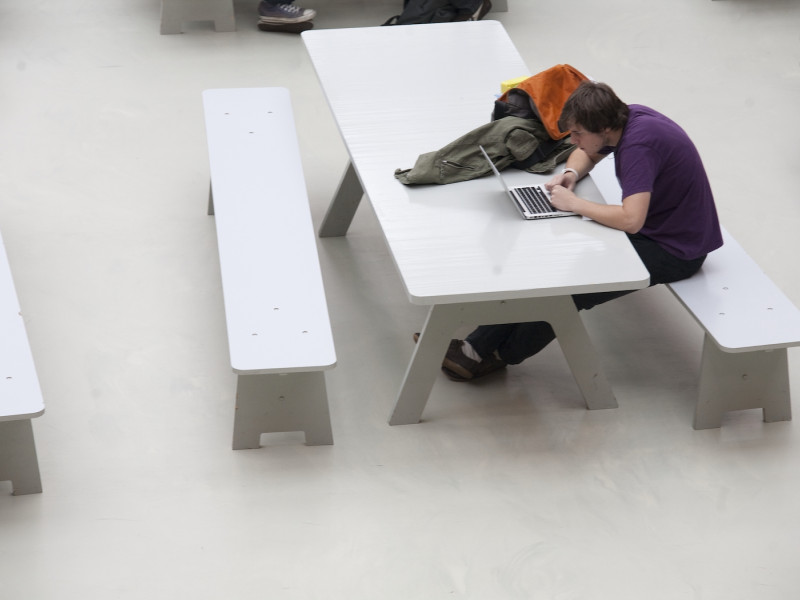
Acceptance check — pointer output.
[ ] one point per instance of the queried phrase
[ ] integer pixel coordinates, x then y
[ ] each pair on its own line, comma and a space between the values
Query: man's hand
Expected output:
563, 198
567, 180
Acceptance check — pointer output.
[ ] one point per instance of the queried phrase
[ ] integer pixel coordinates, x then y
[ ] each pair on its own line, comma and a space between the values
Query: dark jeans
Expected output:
515, 342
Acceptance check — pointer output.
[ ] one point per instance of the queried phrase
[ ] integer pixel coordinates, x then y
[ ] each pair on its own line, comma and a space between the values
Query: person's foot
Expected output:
278, 14
457, 362
460, 367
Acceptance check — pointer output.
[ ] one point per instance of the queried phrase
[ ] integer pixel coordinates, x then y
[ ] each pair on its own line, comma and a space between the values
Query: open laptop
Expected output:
532, 202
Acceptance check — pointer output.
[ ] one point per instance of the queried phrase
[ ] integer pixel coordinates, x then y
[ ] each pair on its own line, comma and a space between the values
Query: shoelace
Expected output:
290, 8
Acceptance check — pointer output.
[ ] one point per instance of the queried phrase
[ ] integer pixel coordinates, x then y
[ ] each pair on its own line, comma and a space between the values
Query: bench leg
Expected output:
210, 200
174, 13
739, 381
443, 319
343, 207
281, 402
18, 462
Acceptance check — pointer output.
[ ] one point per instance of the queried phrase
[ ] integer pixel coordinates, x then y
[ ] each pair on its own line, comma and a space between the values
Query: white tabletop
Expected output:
459, 242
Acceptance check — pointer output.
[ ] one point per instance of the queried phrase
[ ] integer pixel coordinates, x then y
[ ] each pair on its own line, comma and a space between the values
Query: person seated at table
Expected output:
277, 12
667, 211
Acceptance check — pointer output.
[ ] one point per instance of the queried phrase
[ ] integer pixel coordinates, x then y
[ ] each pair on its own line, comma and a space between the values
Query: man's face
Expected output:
591, 143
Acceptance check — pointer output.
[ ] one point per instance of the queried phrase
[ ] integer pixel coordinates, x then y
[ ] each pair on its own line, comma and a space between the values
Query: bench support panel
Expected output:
280, 402
343, 207
18, 462
174, 13
742, 380
444, 319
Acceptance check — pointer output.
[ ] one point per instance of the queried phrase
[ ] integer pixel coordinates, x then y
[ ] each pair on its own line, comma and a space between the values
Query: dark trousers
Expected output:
514, 342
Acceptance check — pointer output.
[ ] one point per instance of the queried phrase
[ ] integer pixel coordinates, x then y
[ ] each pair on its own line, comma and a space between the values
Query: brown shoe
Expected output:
463, 366
459, 367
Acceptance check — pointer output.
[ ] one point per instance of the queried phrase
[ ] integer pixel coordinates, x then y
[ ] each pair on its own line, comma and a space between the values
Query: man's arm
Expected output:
629, 217
581, 163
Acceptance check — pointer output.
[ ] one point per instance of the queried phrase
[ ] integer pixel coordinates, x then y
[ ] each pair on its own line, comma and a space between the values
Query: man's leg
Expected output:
512, 342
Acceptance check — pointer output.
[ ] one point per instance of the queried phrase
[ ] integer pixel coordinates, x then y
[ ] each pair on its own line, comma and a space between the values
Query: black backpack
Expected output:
440, 11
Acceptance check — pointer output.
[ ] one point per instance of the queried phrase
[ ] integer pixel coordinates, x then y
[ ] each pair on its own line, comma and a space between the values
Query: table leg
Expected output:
444, 319
343, 206
581, 356
424, 366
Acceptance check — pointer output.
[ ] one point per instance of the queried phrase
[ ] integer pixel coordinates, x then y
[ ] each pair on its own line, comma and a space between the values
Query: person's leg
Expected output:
514, 342
511, 342
663, 266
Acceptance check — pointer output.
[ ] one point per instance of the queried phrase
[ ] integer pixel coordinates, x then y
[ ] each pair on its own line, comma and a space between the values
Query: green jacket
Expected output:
523, 143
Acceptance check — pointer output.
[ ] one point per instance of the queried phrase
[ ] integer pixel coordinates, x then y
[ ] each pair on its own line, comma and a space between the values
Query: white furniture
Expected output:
749, 323
20, 394
279, 334
175, 13
460, 249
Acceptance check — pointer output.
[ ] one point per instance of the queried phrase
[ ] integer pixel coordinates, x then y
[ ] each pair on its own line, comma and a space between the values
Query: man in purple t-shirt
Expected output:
667, 211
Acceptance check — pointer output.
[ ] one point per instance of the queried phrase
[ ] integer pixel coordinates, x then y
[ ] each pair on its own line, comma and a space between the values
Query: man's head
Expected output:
593, 107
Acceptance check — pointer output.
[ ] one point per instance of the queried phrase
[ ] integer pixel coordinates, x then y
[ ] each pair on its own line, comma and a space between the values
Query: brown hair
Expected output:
595, 107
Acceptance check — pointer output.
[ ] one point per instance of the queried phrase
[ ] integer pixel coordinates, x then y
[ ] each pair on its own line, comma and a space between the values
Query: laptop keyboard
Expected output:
534, 199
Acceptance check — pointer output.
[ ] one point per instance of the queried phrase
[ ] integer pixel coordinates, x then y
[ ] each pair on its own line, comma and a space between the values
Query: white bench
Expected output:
749, 325
175, 13
279, 333
20, 394
748, 322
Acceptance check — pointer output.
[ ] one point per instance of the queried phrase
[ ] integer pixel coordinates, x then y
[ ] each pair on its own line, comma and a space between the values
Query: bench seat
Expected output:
20, 394
279, 333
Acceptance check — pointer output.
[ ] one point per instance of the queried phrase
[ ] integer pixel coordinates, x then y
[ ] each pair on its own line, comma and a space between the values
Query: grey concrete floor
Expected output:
509, 488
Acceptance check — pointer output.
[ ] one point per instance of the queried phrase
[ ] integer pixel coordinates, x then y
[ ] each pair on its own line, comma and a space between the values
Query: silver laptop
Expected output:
532, 202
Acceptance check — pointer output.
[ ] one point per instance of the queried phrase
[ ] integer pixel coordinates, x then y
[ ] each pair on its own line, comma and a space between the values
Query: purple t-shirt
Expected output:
655, 155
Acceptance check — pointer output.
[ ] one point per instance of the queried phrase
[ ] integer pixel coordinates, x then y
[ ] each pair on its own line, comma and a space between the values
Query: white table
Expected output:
461, 249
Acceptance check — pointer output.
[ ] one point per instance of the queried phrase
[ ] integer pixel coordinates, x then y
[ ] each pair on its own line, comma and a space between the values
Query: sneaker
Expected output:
277, 14
460, 367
